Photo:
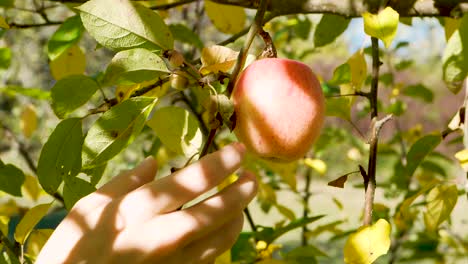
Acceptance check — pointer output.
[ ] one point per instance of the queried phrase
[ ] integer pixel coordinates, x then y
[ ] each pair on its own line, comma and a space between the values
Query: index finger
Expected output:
171, 192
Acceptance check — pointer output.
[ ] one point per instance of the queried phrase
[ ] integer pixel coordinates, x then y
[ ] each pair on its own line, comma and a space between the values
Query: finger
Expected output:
178, 229
209, 214
208, 248
120, 185
171, 192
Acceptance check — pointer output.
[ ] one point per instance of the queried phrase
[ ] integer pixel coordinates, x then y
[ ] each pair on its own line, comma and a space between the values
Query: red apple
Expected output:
279, 108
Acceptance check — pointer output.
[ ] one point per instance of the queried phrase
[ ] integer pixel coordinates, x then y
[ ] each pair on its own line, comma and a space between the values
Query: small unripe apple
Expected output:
280, 109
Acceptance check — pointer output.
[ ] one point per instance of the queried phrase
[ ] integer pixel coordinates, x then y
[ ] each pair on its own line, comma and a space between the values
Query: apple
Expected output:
280, 109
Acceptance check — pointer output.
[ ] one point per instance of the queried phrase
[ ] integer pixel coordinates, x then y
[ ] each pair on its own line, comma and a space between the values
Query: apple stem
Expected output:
253, 31
270, 50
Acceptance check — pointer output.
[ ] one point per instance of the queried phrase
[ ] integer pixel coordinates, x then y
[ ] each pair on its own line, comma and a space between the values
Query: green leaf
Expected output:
95, 174
341, 75
300, 253
70, 93
244, 248
383, 26
338, 107
404, 64
5, 58
35, 93
271, 235
3, 23
134, 66
120, 25
61, 155
455, 58
178, 130
11, 179
7, 3
440, 202
302, 27
329, 28
29, 221
419, 150
75, 189
185, 35
68, 34
115, 130
397, 108
419, 91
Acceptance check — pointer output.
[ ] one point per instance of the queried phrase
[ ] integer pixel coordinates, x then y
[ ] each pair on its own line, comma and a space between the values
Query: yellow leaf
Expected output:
28, 121
288, 213
71, 62
9, 208
29, 221
317, 164
227, 19
3, 23
271, 261
450, 26
462, 157
266, 193
440, 202
224, 258
217, 59
4, 224
368, 243
383, 26
37, 240
31, 187
228, 181
358, 66
123, 92
287, 172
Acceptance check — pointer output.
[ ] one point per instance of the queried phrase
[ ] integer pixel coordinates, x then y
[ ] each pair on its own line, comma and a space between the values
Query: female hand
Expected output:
133, 219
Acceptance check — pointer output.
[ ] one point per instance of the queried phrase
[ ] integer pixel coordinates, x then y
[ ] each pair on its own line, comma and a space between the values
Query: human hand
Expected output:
133, 219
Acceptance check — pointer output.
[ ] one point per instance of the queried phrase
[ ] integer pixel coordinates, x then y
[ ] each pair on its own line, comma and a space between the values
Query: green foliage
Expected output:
455, 58
67, 35
178, 130
329, 28
70, 93
126, 25
140, 111
115, 130
419, 150
134, 66
61, 155
183, 34
11, 179
5, 58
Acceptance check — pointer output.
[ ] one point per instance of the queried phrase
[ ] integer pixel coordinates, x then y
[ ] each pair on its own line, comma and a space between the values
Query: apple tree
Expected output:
114, 81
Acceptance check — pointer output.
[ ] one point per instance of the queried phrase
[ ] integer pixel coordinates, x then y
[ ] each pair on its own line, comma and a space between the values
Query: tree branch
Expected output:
407, 8
374, 137
23, 26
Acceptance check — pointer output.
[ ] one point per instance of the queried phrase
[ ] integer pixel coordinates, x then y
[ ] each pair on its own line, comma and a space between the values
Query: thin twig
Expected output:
171, 5
371, 170
23, 26
305, 199
23, 150
254, 29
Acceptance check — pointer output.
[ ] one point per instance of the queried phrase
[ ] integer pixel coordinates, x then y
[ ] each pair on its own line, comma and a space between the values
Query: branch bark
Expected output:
348, 8
354, 8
